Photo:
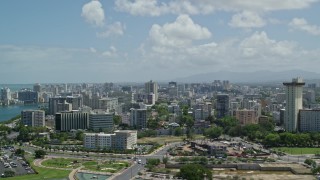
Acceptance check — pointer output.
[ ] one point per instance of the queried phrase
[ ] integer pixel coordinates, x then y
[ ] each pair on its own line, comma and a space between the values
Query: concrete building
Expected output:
108, 103
37, 87
124, 139
246, 117
64, 106
152, 87
97, 141
100, 120
76, 102
222, 105
28, 96
66, 121
120, 140
5, 94
309, 121
138, 118
293, 103
34, 118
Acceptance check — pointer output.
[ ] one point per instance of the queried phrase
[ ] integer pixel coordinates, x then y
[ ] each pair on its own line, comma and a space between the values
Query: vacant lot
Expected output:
296, 150
166, 139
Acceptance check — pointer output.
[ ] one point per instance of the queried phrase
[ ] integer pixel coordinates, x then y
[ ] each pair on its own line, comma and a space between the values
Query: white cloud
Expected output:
303, 25
93, 13
179, 33
255, 52
112, 52
247, 19
157, 7
260, 45
93, 50
115, 29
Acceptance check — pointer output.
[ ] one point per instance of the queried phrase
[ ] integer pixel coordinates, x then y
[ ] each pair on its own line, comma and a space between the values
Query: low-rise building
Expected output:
309, 120
120, 140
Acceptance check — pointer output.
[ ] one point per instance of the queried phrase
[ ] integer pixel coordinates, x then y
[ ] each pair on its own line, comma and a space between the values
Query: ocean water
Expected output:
16, 87
8, 112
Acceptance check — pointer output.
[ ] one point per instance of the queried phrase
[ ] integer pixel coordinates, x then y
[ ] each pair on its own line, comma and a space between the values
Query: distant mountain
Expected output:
250, 77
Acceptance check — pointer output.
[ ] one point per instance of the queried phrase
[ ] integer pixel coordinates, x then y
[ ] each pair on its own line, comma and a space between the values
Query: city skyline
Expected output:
125, 41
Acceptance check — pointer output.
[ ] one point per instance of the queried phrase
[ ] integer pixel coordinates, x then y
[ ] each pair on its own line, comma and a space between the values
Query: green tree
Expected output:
195, 172
272, 140
39, 153
79, 135
117, 119
213, 132
9, 173
178, 131
152, 123
19, 152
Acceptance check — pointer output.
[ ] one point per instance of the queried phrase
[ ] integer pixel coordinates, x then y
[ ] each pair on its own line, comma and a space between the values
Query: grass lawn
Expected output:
166, 139
62, 163
44, 173
107, 166
297, 150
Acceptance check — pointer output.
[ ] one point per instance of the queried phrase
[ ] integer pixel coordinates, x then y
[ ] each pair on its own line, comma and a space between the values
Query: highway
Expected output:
136, 168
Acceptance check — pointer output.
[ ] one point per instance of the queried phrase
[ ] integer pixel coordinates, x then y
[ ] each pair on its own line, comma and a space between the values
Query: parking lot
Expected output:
10, 162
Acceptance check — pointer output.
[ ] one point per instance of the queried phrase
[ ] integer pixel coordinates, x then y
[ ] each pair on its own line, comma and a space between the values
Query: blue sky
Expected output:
139, 40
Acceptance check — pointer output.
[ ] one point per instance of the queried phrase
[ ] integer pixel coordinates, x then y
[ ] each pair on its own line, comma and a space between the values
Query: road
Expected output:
136, 168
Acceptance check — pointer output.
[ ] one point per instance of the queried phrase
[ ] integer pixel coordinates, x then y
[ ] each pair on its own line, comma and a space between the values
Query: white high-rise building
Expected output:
293, 103
152, 87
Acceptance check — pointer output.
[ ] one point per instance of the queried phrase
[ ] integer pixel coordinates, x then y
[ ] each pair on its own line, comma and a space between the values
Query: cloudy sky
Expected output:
139, 40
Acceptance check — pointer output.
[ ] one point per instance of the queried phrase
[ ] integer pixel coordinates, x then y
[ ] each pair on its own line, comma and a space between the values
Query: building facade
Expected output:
138, 118
100, 120
152, 87
222, 105
120, 140
34, 118
293, 103
65, 121
309, 121
246, 117
75, 101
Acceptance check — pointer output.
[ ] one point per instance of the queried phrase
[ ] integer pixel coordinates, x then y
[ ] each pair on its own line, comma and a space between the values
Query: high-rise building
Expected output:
293, 103
100, 120
222, 105
66, 121
34, 118
76, 102
138, 118
28, 96
152, 87
309, 120
246, 117
37, 87
5, 94
108, 103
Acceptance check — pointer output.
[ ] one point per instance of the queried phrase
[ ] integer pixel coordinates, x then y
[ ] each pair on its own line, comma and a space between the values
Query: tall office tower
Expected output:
222, 105
37, 87
152, 87
28, 96
100, 120
173, 89
76, 102
138, 118
66, 121
293, 103
34, 118
5, 94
